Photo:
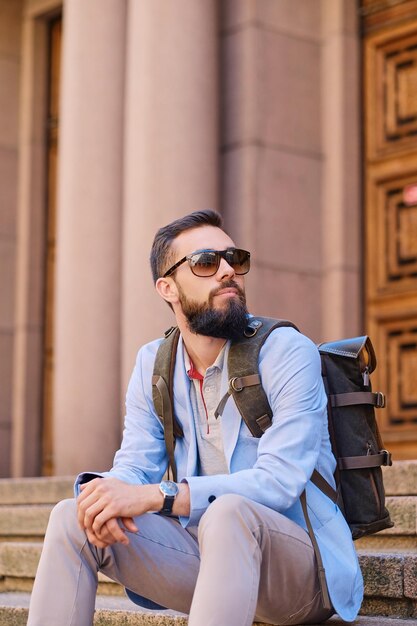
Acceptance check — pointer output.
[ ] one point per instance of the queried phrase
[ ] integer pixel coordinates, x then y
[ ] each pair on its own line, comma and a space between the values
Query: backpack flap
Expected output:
360, 348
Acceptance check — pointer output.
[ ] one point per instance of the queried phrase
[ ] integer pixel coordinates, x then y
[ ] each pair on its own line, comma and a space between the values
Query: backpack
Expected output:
354, 435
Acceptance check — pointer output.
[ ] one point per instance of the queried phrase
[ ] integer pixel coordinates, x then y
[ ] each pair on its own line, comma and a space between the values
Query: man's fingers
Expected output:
84, 501
111, 530
129, 524
104, 538
87, 512
95, 541
105, 535
87, 488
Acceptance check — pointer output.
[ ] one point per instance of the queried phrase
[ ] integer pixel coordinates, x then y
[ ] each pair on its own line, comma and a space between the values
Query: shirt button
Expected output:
207, 389
211, 499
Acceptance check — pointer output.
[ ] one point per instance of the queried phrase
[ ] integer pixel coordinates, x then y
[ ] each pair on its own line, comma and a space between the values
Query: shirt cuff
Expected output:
84, 477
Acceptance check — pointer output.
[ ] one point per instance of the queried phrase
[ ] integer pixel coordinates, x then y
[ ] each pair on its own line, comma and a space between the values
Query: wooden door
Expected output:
389, 31
55, 30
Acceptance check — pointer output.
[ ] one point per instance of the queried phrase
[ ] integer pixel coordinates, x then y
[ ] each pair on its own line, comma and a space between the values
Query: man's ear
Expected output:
167, 289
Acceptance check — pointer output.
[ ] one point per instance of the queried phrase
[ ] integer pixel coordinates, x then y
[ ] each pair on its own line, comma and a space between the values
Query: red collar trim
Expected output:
194, 373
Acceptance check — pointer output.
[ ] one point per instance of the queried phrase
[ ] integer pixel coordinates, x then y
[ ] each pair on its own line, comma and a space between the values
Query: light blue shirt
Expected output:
273, 470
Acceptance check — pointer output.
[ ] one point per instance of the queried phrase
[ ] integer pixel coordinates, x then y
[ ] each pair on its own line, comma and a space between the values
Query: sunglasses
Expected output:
205, 263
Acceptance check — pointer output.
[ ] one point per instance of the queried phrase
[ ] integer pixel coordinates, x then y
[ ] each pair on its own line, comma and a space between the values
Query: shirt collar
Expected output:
192, 372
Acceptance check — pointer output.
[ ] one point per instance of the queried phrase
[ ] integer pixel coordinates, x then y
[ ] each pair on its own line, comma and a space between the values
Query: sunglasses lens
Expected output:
204, 263
239, 260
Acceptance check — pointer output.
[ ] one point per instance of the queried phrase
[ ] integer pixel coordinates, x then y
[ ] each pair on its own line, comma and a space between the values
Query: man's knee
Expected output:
226, 511
226, 504
63, 518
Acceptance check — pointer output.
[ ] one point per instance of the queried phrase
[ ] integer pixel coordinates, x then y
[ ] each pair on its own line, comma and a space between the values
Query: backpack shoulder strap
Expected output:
250, 398
244, 380
162, 388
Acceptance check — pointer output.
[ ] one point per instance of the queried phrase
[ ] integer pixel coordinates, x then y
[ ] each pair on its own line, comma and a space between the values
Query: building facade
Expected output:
296, 119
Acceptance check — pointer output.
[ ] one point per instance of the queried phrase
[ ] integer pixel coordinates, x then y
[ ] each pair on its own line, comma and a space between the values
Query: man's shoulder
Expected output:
286, 336
288, 355
147, 352
286, 343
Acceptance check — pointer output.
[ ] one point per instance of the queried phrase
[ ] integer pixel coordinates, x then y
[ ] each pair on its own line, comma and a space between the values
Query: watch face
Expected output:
169, 488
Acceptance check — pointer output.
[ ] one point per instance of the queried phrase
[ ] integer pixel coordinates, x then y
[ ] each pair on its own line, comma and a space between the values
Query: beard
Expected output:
226, 323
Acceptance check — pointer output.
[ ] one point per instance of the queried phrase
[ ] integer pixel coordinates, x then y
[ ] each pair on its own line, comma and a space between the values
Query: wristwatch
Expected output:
169, 490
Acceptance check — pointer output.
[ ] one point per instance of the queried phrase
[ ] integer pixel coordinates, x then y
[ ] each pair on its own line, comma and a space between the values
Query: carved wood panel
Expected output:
393, 234
395, 339
390, 94
392, 60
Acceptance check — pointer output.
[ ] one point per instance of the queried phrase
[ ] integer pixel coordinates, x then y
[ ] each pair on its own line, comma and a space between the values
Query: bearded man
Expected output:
227, 543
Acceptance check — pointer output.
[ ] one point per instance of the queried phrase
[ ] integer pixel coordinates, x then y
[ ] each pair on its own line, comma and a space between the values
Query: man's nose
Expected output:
225, 270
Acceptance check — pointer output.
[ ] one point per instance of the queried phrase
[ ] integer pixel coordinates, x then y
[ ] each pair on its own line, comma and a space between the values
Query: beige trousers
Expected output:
248, 562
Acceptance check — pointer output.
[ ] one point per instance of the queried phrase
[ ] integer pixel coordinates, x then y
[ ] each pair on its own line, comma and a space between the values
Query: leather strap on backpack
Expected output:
353, 398
365, 461
162, 393
244, 382
320, 567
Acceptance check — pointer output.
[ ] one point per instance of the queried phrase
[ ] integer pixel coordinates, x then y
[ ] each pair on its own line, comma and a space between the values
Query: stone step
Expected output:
401, 478
389, 575
390, 578
18, 564
44, 490
390, 584
112, 611
22, 522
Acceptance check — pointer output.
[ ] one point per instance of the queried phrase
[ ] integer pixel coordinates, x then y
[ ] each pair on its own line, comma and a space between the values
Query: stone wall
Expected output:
248, 106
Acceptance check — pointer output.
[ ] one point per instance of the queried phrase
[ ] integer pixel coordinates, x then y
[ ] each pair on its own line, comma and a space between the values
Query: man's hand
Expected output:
103, 502
112, 532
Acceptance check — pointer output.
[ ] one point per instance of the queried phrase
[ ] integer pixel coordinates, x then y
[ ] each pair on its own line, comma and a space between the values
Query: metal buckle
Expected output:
380, 400
233, 385
252, 328
387, 457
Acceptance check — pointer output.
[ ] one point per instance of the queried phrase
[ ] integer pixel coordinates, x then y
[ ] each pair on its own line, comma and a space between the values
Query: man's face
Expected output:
216, 305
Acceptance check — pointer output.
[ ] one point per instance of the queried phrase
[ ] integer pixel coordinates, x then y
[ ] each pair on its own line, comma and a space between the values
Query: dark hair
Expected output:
161, 254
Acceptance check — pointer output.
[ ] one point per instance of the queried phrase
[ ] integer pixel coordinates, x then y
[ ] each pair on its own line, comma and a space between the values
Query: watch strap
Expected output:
167, 505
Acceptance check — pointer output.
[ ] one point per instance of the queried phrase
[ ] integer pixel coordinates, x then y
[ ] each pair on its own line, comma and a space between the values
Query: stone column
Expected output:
341, 219
171, 150
272, 153
88, 265
30, 246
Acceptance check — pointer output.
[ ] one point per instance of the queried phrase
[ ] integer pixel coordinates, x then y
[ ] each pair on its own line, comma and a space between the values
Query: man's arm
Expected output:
103, 502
